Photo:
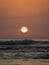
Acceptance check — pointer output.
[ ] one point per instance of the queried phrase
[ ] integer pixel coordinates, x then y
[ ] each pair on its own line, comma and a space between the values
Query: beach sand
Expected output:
23, 62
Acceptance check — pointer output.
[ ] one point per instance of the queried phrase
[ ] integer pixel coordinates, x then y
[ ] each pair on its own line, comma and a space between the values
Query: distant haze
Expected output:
33, 14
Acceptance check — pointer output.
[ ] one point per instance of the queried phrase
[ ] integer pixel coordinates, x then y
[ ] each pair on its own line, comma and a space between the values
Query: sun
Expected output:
24, 29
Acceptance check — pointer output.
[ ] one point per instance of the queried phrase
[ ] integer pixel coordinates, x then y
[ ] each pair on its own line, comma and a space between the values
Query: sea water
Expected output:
25, 55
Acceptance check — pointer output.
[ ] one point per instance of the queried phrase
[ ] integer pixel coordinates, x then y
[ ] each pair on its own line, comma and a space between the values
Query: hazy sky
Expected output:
17, 13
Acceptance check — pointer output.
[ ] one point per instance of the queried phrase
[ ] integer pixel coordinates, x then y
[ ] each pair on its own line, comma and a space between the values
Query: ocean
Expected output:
24, 52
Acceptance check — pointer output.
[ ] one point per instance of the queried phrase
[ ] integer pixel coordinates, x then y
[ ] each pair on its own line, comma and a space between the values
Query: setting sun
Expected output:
24, 29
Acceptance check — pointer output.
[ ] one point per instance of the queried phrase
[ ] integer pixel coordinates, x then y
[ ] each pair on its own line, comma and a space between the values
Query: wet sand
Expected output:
22, 62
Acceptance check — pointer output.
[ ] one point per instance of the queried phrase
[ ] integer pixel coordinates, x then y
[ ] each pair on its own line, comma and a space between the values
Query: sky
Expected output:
15, 14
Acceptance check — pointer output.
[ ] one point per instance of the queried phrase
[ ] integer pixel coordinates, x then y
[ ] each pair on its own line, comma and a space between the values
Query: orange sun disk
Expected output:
24, 29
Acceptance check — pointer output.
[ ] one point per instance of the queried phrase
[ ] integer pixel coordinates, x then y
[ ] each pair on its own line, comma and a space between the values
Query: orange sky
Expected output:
17, 13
